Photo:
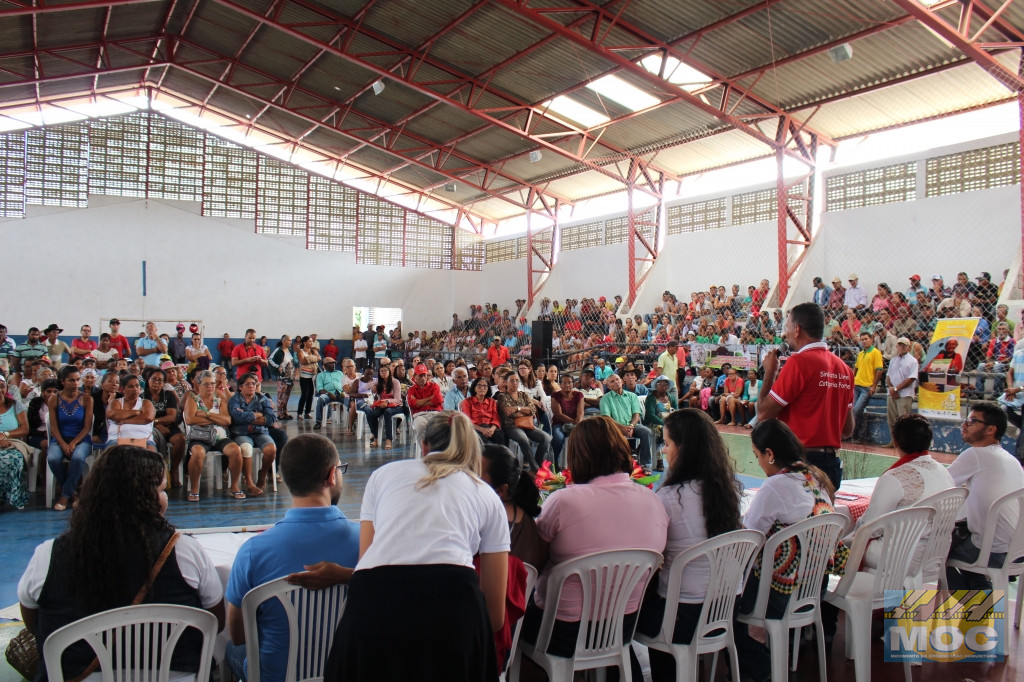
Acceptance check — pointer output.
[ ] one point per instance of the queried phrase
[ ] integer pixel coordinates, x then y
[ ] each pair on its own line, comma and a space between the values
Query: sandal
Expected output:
60, 506
373, 442
387, 445
193, 497
175, 485
238, 494
254, 491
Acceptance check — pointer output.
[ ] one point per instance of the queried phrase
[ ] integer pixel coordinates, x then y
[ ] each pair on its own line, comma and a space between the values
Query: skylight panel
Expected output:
621, 92
8, 124
566, 107
677, 73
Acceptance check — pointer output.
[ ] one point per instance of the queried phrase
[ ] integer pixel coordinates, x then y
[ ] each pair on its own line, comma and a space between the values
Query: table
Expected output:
222, 544
852, 499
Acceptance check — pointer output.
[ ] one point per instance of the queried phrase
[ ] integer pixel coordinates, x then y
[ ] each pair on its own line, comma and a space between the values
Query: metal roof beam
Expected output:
595, 42
582, 140
961, 38
413, 153
41, 7
349, 134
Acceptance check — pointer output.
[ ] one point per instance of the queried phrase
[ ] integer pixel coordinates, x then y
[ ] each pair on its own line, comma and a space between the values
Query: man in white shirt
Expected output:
855, 296
988, 472
900, 380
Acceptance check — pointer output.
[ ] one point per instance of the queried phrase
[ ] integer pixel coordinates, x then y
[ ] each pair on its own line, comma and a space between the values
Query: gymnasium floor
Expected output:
21, 531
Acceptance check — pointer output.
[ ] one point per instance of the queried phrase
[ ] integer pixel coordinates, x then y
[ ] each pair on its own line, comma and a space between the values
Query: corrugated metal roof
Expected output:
455, 67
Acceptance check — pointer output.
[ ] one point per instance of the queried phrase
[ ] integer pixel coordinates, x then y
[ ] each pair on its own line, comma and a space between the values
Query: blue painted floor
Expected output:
21, 531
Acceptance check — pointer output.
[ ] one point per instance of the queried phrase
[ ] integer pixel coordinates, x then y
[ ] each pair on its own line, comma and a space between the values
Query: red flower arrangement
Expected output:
548, 480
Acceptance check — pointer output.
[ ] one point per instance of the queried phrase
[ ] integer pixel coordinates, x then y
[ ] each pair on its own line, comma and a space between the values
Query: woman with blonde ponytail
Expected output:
414, 595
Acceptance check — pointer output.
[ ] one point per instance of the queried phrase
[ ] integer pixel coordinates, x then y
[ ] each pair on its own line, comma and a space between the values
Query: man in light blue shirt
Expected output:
150, 347
313, 530
460, 391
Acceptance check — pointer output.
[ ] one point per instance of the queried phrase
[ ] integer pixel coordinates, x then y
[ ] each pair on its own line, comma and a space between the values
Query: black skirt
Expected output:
420, 623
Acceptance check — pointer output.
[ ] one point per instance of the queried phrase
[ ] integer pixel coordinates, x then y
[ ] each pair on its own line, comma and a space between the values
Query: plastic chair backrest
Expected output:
1008, 503
730, 556
608, 579
531, 581
947, 505
313, 616
899, 532
816, 538
133, 643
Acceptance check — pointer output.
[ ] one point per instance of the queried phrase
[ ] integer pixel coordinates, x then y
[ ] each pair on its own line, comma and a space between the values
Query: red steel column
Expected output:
783, 227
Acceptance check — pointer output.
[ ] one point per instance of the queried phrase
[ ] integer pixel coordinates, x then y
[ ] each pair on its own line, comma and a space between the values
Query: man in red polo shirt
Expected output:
248, 357
812, 393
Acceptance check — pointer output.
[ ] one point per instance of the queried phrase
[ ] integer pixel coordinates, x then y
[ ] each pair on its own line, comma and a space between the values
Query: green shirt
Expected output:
622, 407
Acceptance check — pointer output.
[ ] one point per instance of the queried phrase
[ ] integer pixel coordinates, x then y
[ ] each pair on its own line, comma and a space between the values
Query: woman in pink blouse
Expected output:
604, 510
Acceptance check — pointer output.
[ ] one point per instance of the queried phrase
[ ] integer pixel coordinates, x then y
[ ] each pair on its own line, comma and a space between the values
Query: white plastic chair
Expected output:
858, 593
134, 642
531, 581
313, 616
608, 579
931, 566
209, 466
730, 556
1014, 563
33, 469
816, 538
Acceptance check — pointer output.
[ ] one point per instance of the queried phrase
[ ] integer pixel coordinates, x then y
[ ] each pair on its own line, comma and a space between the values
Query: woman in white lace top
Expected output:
914, 476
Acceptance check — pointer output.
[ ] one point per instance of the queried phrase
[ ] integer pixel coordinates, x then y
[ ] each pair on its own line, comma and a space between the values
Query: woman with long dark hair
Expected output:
701, 496
165, 422
130, 418
387, 405
521, 499
120, 514
70, 430
309, 359
793, 491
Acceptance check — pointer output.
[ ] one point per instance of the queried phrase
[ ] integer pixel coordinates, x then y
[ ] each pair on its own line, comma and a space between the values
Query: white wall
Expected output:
73, 266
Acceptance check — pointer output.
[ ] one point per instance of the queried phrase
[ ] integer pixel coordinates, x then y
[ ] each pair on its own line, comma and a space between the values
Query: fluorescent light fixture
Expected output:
677, 73
568, 108
621, 92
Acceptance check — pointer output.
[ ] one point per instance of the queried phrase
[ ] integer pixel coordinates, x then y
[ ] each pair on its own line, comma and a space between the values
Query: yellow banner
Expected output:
940, 386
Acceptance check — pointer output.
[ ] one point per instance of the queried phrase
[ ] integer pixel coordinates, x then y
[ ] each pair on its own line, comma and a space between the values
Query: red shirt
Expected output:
242, 352
331, 351
121, 345
497, 355
225, 347
481, 413
88, 345
430, 390
815, 389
